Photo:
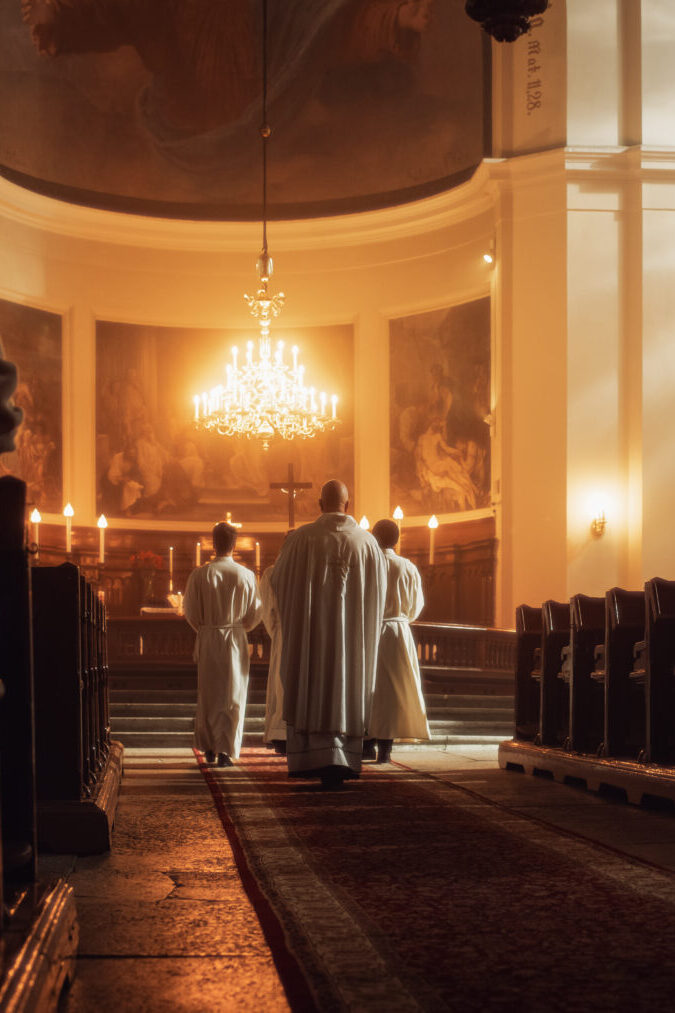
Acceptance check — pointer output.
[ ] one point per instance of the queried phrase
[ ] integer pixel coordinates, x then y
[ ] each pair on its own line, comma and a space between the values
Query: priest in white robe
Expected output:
398, 710
330, 583
221, 603
275, 726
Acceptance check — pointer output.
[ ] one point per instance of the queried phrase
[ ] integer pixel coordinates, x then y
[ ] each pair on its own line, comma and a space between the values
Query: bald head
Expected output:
385, 533
334, 497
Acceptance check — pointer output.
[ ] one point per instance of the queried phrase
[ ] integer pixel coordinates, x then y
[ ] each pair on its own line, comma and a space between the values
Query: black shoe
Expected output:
384, 750
210, 756
224, 760
279, 746
369, 752
332, 780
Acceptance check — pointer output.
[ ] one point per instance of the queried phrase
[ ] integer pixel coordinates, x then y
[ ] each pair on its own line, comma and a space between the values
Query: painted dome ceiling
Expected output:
154, 106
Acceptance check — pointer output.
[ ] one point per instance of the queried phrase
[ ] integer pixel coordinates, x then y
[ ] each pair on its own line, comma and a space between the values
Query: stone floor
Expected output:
165, 924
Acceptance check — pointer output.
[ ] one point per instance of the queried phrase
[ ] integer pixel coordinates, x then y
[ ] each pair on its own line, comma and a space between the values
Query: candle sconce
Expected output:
598, 524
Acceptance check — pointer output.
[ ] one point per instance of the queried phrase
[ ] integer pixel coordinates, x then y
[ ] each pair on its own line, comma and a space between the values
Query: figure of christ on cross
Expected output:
290, 487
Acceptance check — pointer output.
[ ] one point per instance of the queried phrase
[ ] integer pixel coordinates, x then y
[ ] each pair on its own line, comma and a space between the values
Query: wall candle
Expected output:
198, 554
257, 557
433, 524
170, 569
102, 525
69, 513
195, 400
35, 518
398, 517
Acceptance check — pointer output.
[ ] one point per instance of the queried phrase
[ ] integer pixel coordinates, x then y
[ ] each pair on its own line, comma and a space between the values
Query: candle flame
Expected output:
364, 523
102, 522
398, 514
36, 516
68, 510
433, 521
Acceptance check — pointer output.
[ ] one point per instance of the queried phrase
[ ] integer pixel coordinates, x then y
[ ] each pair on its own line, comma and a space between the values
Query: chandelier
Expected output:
266, 396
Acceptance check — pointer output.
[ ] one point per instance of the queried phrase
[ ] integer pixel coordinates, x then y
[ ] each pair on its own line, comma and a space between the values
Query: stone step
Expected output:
170, 724
171, 740
129, 709
504, 715
450, 727
482, 701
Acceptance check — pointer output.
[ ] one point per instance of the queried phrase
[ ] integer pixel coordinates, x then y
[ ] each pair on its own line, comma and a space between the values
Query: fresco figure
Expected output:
204, 57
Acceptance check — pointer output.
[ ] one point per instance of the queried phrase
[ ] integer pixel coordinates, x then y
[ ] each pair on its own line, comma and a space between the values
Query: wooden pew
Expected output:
659, 677
553, 700
78, 768
586, 697
623, 717
528, 640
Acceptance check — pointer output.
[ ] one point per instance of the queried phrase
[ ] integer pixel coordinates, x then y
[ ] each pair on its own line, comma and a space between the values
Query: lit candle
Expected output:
235, 353
294, 350
257, 558
68, 513
102, 525
196, 404
398, 517
36, 518
322, 397
198, 554
249, 353
170, 569
333, 402
433, 524
364, 523
204, 402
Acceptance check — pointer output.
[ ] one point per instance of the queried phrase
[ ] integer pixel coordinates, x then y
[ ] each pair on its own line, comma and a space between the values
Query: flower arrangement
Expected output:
146, 560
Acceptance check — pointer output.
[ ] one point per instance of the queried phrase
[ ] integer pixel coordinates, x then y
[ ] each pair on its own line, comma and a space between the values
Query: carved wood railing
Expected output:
156, 639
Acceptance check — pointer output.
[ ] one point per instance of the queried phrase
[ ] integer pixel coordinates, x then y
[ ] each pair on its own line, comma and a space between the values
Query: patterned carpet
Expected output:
404, 892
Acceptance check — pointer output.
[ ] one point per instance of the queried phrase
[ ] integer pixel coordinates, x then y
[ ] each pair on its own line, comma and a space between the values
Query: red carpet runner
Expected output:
404, 893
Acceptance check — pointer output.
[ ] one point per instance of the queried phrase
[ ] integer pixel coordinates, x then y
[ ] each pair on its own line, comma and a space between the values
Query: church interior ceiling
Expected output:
31, 339
439, 408
153, 464
153, 106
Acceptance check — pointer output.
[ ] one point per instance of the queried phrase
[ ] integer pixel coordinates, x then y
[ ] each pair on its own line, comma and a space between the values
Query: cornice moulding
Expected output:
431, 214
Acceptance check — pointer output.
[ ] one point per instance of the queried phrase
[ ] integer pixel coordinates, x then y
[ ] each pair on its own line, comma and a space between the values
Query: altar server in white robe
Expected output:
221, 603
398, 710
275, 726
330, 582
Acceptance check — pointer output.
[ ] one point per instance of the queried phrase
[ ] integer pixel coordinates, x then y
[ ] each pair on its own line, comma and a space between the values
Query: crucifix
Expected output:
290, 487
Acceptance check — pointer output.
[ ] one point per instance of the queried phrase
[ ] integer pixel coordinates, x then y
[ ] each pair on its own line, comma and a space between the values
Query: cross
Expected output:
290, 487
233, 524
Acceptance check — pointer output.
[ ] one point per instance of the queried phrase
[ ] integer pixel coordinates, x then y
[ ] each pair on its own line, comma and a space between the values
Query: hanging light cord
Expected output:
265, 127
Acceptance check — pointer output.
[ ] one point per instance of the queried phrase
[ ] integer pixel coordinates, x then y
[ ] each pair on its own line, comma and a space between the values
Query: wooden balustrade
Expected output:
156, 638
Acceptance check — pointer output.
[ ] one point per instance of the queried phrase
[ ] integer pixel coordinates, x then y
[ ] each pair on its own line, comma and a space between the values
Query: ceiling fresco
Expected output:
154, 106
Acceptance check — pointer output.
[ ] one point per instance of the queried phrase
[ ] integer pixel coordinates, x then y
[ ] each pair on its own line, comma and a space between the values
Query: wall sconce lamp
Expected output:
598, 524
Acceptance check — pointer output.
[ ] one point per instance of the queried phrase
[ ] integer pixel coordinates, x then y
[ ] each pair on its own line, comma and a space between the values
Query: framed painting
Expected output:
440, 405
32, 341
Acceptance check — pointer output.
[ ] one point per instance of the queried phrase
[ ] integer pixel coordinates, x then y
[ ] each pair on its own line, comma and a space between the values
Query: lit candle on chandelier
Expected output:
35, 519
295, 351
433, 524
69, 513
195, 400
322, 398
170, 569
198, 554
333, 402
102, 525
398, 517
